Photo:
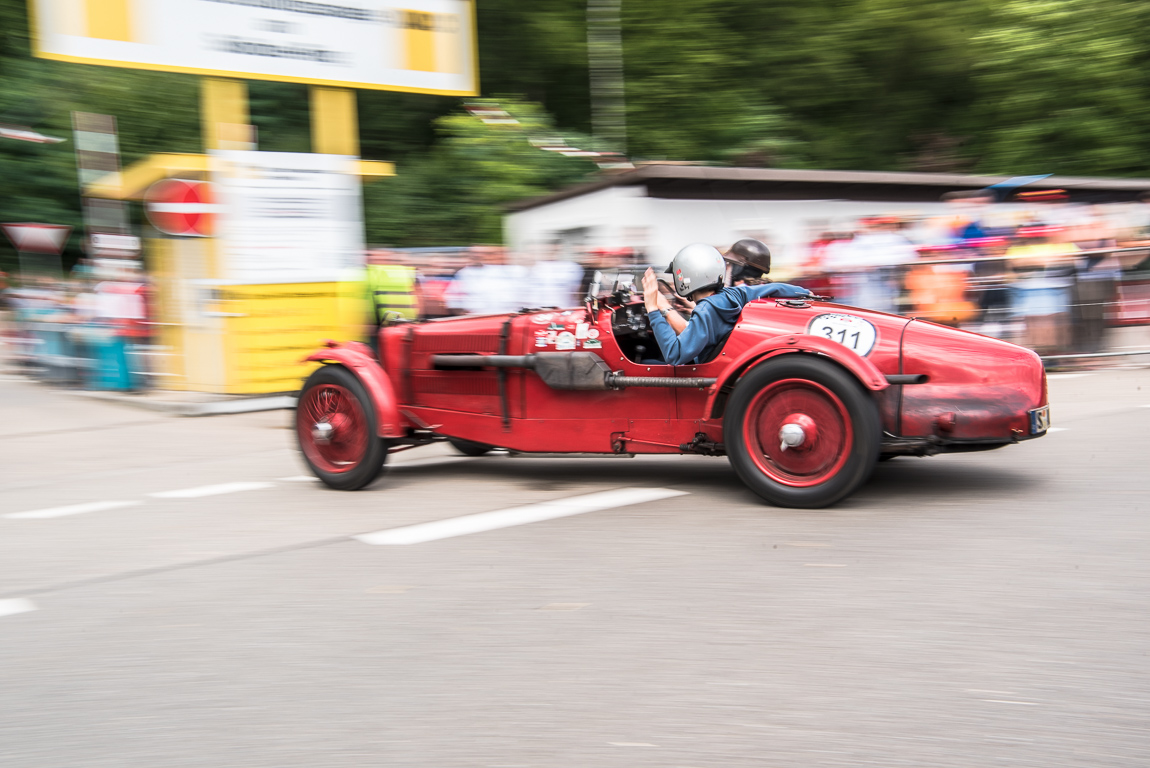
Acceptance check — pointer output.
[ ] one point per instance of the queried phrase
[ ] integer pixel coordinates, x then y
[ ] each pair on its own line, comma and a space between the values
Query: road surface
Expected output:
176, 592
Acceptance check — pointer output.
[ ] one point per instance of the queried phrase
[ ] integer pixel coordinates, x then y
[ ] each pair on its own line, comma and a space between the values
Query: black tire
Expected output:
367, 462
469, 448
851, 443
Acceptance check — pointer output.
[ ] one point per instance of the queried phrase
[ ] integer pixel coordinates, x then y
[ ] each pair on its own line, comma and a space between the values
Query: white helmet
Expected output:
696, 267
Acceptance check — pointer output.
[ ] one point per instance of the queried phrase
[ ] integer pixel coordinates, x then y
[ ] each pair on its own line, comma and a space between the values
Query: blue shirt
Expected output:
712, 320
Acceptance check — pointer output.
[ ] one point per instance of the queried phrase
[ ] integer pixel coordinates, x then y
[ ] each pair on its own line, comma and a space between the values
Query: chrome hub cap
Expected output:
321, 433
797, 433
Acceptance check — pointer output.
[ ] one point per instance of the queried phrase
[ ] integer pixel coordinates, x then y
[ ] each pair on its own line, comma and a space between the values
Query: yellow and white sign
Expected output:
423, 46
287, 217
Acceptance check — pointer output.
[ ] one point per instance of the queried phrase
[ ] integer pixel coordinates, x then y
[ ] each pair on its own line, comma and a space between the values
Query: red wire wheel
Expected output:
332, 427
828, 422
335, 426
826, 432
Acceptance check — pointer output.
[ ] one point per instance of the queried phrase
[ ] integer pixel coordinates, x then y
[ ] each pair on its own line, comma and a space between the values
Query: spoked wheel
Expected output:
470, 448
801, 432
335, 425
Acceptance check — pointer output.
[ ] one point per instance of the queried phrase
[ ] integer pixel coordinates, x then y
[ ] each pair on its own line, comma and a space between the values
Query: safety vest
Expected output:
392, 289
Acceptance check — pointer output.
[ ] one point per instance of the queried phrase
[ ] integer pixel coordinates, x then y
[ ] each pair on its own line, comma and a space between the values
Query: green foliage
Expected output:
994, 86
1069, 86
457, 192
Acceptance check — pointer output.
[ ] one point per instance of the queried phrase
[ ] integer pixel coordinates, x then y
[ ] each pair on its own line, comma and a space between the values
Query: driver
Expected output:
699, 271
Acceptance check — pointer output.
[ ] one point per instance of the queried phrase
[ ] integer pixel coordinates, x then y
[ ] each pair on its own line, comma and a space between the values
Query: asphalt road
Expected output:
978, 610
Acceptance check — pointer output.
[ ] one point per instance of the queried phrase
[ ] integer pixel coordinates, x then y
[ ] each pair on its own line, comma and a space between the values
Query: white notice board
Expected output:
424, 46
286, 217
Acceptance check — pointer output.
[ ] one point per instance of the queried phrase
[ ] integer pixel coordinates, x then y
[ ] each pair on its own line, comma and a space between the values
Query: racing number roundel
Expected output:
851, 331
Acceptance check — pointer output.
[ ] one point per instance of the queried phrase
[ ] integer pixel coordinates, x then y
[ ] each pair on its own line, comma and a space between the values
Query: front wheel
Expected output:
335, 426
801, 432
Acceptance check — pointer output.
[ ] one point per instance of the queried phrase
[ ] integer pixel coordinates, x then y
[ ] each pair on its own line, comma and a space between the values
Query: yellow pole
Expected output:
224, 114
334, 122
335, 131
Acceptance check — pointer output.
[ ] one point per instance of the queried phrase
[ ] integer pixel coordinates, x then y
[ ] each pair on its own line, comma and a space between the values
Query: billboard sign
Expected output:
286, 217
422, 46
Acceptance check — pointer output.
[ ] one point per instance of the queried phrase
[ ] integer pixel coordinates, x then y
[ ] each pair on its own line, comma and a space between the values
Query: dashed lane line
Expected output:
73, 509
14, 605
505, 518
210, 490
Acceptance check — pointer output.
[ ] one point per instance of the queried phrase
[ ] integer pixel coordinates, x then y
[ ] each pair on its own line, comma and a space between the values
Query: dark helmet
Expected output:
751, 253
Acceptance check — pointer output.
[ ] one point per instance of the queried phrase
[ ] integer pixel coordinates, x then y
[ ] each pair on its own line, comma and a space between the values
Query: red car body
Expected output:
788, 367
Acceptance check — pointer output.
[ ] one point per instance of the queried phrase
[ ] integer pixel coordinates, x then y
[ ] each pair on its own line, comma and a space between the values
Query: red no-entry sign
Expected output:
181, 207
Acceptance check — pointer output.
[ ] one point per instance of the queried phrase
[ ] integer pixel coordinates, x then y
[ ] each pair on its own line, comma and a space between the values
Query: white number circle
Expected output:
851, 331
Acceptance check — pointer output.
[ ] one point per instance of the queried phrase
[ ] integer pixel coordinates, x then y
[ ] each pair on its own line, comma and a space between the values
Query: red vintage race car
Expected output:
803, 397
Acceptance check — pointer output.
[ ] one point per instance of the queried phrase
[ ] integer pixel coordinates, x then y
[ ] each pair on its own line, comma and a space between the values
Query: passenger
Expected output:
699, 271
748, 262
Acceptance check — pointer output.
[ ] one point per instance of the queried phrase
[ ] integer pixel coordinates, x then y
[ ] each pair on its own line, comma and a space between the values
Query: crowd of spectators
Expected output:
89, 329
1051, 276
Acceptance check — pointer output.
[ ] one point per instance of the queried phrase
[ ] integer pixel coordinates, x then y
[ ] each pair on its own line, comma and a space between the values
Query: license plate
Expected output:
1040, 420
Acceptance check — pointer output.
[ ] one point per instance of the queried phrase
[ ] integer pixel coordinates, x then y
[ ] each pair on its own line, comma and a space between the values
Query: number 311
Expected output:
842, 336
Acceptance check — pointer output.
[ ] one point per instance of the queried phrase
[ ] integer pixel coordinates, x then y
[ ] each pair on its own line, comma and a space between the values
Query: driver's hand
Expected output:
650, 290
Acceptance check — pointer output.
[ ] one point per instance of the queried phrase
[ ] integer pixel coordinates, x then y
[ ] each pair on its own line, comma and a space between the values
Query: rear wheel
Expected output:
335, 426
470, 448
801, 432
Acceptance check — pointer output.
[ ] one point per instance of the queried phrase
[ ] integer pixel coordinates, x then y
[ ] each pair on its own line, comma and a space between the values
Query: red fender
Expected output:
863, 369
358, 359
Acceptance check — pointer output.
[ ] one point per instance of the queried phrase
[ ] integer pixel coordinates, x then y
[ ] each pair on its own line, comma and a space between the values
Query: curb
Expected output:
216, 408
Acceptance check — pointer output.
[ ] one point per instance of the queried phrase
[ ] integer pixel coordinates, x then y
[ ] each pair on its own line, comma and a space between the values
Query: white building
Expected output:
657, 209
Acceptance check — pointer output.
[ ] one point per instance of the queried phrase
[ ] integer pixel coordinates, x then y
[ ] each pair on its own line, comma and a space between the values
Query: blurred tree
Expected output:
1013, 86
1062, 88
456, 193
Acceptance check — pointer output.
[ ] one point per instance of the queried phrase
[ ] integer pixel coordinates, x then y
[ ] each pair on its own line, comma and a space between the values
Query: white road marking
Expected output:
298, 479
1058, 429
1067, 375
505, 518
73, 509
808, 544
562, 606
211, 490
1007, 701
824, 565
629, 744
16, 605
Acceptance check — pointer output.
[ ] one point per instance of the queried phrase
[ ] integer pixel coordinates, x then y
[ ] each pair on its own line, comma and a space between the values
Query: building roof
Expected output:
687, 182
